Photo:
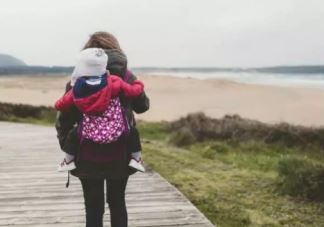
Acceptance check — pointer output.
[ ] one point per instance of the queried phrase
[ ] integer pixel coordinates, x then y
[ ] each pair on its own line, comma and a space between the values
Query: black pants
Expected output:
94, 199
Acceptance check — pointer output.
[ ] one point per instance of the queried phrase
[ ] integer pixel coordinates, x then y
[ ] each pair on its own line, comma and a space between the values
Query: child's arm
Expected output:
134, 89
64, 103
130, 90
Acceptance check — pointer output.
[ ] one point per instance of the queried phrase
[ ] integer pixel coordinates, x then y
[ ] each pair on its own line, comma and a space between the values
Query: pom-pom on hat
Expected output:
90, 62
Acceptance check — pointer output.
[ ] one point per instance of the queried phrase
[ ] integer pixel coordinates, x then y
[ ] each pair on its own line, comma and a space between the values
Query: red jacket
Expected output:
98, 102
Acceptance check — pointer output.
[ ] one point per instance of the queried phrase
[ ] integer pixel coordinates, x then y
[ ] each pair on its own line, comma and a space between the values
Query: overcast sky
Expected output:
183, 33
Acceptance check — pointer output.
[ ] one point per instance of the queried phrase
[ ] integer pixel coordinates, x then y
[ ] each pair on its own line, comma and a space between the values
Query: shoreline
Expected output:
172, 98
255, 78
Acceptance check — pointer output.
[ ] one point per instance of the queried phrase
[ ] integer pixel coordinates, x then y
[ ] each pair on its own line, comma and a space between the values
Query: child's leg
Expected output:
69, 157
72, 142
136, 155
135, 144
135, 148
71, 147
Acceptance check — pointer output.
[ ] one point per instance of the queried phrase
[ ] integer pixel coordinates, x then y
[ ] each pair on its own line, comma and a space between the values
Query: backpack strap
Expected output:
127, 75
68, 180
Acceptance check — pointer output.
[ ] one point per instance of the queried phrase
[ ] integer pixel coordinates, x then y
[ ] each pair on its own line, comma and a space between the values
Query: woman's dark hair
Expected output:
102, 40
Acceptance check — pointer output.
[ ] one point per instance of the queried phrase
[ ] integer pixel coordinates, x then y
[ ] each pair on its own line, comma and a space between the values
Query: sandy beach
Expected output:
173, 97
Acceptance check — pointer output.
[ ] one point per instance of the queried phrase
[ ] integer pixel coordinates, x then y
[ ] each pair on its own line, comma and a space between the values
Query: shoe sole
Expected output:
60, 169
134, 165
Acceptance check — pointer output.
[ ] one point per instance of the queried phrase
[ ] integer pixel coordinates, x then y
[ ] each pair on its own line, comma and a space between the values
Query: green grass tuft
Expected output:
302, 177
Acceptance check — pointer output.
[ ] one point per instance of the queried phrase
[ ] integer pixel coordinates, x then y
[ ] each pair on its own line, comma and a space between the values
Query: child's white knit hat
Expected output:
90, 62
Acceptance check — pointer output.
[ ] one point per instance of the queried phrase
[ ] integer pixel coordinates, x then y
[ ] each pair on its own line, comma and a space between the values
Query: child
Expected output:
95, 93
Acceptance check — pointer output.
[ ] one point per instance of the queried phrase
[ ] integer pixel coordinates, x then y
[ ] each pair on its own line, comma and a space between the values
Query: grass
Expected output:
27, 114
302, 177
237, 172
233, 184
29, 120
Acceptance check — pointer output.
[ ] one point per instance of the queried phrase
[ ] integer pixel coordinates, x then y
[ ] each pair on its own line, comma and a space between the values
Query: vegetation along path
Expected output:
32, 193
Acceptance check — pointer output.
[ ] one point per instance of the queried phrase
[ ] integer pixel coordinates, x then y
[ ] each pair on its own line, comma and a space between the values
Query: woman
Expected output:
97, 164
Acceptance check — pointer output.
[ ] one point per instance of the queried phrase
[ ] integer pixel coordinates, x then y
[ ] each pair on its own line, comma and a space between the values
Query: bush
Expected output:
153, 130
235, 128
10, 111
183, 137
301, 177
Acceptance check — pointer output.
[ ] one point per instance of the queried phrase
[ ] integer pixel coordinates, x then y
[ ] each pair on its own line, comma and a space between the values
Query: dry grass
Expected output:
27, 113
198, 128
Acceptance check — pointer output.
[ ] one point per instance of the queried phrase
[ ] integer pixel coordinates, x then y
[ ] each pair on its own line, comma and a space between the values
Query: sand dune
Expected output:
173, 97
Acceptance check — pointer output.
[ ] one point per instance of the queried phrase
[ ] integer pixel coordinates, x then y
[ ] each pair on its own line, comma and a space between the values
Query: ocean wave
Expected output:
295, 80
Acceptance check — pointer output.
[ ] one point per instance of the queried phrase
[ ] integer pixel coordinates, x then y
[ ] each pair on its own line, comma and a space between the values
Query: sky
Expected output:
168, 33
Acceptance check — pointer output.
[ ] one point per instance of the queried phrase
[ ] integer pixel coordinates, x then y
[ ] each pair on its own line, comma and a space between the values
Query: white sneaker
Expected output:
137, 165
66, 166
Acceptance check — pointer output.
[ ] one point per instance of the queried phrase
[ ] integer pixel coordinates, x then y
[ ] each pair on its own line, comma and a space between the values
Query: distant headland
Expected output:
10, 65
10, 61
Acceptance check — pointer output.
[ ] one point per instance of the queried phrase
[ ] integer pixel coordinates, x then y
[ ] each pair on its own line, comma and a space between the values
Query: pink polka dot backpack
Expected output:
106, 127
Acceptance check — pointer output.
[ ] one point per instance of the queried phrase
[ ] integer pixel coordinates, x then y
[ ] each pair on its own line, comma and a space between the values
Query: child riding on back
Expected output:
96, 94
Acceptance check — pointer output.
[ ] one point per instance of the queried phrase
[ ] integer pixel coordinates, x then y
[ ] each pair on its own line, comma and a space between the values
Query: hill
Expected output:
10, 65
10, 61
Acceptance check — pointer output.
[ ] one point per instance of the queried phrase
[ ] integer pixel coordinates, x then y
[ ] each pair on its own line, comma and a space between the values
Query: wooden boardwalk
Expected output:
33, 194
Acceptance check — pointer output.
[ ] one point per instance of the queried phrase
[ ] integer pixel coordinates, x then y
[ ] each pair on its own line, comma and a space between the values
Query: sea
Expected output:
309, 77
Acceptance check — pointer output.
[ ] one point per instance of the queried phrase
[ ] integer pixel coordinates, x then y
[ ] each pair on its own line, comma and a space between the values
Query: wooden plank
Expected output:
32, 193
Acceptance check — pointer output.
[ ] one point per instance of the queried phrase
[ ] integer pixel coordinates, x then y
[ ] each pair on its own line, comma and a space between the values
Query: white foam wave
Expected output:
295, 80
